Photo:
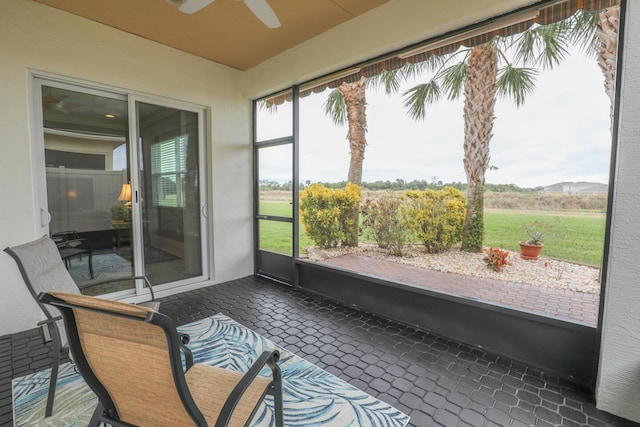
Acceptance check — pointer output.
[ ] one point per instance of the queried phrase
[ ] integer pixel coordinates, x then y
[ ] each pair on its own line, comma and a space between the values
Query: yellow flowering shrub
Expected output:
327, 214
435, 217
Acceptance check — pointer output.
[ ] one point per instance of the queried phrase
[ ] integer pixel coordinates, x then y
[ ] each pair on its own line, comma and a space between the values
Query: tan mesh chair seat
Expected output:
202, 379
130, 357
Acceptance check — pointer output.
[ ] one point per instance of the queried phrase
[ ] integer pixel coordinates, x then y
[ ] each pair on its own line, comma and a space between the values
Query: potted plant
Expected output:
536, 231
120, 215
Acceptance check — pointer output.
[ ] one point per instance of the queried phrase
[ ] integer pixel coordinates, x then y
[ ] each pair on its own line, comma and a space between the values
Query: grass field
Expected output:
577, 236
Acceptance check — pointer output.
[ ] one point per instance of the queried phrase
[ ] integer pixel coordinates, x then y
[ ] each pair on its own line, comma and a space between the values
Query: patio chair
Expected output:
130, 357
43, 270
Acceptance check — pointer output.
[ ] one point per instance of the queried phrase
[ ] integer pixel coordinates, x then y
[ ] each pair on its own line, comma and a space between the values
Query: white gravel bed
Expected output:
542, 272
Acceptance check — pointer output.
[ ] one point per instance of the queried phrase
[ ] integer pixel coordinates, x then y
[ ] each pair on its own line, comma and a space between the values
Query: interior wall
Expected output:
618, 388
37, 38
81, 145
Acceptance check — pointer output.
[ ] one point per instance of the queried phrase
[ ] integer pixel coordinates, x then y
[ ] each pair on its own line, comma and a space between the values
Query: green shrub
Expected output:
327, 214
435, 217
382, 218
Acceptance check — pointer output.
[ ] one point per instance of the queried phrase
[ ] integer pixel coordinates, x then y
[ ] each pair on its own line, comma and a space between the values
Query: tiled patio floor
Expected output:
435, 380
563, 304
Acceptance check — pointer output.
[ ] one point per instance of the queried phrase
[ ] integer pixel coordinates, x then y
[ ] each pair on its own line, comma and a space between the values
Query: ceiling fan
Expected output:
53, 103
260, 8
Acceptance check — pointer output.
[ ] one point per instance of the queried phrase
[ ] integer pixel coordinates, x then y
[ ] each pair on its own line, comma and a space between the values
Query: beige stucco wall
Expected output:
36, 37
618, 389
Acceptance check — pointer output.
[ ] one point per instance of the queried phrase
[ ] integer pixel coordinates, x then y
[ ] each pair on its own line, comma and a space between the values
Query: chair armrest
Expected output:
49, 321
148, 283
268, 357
188, 355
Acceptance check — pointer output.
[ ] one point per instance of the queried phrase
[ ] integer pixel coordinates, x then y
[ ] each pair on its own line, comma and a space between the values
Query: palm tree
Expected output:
607, 34
481, 73
347, 104
597, 33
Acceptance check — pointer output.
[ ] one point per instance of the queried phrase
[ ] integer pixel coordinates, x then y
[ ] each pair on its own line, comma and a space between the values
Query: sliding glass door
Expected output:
169, 193
122, 189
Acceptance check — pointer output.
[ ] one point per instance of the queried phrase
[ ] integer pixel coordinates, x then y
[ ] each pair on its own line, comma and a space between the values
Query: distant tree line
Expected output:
402, 185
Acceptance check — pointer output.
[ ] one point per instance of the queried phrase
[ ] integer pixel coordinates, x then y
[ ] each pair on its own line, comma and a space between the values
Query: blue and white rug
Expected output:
312, 396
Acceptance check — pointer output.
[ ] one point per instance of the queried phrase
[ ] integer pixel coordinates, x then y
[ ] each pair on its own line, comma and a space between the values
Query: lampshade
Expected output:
125, 193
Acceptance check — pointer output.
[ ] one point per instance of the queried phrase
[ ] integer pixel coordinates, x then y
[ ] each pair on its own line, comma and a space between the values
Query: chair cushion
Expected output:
210, 386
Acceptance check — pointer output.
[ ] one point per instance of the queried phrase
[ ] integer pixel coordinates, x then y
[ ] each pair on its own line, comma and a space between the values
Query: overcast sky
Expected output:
562, 133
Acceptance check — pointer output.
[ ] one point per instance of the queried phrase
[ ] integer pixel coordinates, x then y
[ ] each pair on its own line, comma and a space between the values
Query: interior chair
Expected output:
71, 245
43, 270
130, 356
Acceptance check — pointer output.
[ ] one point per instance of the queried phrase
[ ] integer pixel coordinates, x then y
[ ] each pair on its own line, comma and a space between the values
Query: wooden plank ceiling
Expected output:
225, 31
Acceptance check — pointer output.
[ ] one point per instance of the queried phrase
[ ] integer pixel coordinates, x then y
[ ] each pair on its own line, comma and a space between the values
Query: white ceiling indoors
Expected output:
225, 31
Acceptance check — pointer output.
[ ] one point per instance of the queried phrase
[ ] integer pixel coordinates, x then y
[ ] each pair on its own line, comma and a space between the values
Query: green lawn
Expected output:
576, 236
276, 236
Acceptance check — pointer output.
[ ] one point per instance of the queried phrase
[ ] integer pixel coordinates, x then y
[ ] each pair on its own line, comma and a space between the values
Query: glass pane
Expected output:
170, 203
86, 160
276, 237
274, 175
275, 121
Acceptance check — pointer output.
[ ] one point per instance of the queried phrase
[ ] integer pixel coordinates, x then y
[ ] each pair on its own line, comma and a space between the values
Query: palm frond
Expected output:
555, 39
433, 63
516, 83
583, 26
336, 108
453, 79
416, 69
418, 97
544, 45
390, 79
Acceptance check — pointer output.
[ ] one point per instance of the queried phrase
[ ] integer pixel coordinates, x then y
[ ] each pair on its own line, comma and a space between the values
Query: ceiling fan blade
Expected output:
263, 11
192, 6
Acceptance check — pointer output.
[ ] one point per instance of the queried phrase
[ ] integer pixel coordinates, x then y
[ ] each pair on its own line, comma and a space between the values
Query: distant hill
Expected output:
580, 187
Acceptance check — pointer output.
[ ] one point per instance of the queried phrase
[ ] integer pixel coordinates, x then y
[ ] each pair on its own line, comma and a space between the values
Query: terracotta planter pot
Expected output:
531, 252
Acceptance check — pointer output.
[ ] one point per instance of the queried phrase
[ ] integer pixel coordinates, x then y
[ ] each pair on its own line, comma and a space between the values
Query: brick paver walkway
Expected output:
565, 304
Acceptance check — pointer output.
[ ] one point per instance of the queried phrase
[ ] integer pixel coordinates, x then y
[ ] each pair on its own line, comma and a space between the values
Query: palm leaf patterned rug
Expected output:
312, 396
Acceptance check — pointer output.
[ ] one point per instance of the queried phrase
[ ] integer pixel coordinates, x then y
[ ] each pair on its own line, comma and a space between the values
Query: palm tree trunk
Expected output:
355, 101
479, 102
607, 34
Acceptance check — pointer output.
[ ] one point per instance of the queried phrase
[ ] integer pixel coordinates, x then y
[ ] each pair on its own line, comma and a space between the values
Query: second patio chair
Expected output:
43, 270
130, 356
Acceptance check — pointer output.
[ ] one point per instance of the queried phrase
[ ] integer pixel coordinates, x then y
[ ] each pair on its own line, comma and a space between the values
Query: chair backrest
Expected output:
129, 355
43, 270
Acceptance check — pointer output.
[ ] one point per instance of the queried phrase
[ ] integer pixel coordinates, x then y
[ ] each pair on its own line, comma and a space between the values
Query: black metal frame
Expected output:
106, 410
275, 266
50, 324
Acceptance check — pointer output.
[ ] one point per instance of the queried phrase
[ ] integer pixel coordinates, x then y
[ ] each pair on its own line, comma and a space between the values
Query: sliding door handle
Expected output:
45, 217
